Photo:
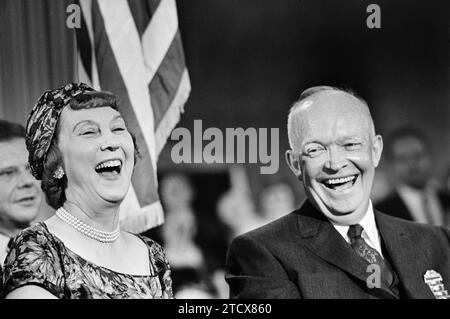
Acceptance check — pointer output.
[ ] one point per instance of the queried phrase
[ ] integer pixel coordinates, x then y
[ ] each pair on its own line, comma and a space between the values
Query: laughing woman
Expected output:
82, 151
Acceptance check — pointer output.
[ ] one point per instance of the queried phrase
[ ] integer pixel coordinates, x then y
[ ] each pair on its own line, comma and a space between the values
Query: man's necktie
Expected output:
368, 253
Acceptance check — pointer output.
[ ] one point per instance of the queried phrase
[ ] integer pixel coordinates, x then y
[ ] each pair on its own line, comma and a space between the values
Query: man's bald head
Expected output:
321, 101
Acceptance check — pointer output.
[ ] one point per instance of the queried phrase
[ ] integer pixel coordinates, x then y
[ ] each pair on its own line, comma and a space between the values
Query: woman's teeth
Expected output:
112, 163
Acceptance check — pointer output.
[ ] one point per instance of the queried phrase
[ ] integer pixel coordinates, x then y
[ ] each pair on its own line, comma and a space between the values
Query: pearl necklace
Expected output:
87, 230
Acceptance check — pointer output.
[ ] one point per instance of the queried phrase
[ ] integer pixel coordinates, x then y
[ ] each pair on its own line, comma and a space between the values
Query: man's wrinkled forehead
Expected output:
333, 105
13, 152
333, 101
324, 110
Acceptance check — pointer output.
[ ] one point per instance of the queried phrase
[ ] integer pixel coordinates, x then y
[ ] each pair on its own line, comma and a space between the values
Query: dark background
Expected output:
249, 60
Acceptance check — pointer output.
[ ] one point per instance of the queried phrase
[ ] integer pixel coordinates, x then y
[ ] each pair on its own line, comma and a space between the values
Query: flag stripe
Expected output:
136, 53
164, 84
86, 8
85, 49
140, 220
158, 36
82, 74
125, 43
111, 80
142, 11
172, 115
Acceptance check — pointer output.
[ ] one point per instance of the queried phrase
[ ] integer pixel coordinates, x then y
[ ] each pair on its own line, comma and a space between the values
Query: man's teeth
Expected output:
112, 163
333, 181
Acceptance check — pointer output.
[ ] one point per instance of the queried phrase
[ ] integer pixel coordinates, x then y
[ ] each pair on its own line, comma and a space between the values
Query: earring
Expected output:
59, 173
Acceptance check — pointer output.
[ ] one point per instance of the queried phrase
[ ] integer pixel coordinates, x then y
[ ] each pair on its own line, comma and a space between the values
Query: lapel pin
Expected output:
434, 280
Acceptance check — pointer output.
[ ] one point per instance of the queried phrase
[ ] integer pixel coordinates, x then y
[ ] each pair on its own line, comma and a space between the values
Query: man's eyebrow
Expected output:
307, 142
311, 141
350, 137
83, 122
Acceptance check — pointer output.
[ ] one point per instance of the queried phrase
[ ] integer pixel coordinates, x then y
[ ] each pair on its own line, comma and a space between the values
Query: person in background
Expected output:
417, 195
20, 193
381, 188
80, 147
276, 200
188, 265
336, 245
237, 211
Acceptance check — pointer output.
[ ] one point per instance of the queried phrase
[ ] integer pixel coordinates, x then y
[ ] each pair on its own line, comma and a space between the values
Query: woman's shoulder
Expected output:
35, 236
152, 245
30, 244
33, 258
156, 253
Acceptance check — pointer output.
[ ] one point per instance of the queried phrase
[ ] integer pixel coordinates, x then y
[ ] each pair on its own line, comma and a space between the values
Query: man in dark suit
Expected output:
417, 196
335, 245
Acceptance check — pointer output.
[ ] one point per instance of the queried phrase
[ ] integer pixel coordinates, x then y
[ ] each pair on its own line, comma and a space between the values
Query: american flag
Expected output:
133, 49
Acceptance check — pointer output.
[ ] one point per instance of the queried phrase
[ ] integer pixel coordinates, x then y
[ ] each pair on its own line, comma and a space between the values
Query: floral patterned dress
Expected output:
39, 258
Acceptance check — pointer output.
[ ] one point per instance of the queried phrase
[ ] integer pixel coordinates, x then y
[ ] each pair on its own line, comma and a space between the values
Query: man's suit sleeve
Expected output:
253, 272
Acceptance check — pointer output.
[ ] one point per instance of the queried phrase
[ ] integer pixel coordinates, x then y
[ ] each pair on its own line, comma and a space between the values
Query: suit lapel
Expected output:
321, 238
406, 259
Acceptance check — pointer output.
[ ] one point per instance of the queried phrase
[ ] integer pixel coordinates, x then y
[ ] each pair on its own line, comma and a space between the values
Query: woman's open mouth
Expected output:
109, 168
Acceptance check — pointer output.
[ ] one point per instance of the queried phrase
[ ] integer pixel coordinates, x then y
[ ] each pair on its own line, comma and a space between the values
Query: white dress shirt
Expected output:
415, 202
370, 233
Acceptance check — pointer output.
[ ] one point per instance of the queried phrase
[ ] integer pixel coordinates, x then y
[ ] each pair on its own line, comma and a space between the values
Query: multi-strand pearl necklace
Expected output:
87, 230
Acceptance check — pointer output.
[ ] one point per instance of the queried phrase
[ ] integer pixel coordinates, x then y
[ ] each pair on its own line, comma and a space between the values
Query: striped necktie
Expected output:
370, 254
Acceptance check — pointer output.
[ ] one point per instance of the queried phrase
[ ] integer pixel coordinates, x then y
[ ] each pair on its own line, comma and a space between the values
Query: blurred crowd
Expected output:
236, 212
408, 188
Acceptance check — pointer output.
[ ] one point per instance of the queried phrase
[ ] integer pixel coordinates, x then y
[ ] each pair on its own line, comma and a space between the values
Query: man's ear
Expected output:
294, 163
377, 149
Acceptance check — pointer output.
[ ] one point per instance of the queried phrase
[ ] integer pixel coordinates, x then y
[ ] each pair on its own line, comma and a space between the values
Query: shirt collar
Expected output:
370, 233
